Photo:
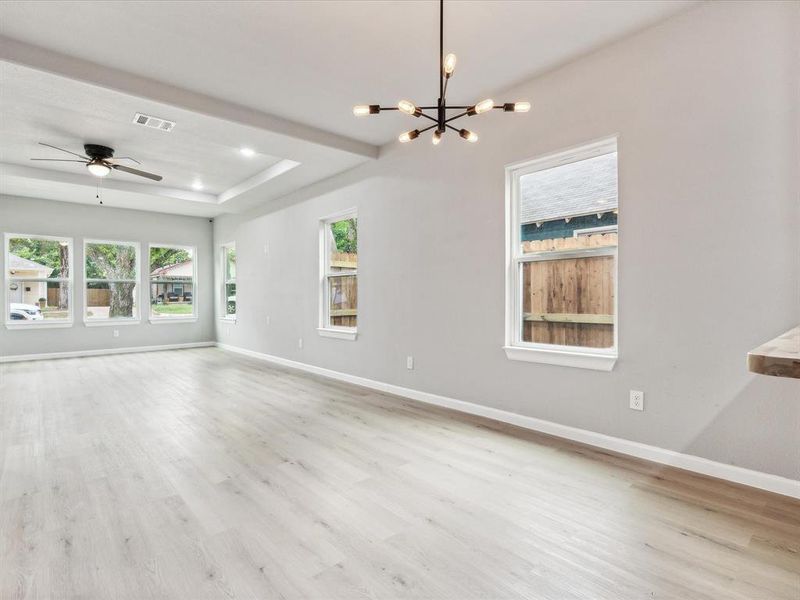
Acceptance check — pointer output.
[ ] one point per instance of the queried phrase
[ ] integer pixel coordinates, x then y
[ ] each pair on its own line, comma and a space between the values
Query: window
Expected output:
229, 281
111, 276
339, 276
173, 276
561, 294
38, 281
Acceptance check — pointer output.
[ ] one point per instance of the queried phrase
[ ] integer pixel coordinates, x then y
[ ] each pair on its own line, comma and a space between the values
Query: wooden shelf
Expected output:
779, 357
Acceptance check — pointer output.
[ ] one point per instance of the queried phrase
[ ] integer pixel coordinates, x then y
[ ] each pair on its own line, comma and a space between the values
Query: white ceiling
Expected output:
279, 77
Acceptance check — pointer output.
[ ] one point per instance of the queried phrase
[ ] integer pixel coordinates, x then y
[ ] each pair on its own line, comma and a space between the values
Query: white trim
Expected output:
136, 280
230, 319
515, 348
688, 462
324, 327
564, 358
195, 286
171, 320
225, 282
342, 334
70, 281
102, 352
111, 322
54, 324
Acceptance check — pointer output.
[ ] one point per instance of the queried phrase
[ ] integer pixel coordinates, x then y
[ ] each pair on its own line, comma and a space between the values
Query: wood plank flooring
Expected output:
201, 474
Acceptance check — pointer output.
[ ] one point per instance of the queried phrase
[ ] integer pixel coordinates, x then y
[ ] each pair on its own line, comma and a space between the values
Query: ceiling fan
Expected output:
99, 160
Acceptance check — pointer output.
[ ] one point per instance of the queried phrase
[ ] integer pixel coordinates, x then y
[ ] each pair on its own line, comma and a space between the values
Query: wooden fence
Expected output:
345, 312
569, 301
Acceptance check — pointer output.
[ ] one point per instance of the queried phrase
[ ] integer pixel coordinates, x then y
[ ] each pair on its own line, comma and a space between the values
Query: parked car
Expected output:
28, 312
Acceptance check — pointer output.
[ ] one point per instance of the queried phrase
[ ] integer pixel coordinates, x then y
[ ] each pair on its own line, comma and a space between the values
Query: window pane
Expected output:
171, 282
230, 298
110, 261
111, 300
343, 245
230, 263
569, 301
343, 297
38, 259
569, 206
38, 300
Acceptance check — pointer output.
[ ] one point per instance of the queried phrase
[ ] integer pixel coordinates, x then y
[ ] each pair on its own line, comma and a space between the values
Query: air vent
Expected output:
153, 122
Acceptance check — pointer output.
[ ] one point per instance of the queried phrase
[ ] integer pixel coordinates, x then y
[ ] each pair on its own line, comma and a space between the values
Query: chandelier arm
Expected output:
457, 107
428, 128
441, 51
428, 117
458, 116
456, 129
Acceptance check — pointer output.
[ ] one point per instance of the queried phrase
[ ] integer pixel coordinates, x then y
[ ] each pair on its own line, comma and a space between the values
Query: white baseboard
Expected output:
696, 464
102, 352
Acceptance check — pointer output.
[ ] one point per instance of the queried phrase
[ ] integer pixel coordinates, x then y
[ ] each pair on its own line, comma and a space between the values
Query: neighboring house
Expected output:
173, 280
27, 292
557, 202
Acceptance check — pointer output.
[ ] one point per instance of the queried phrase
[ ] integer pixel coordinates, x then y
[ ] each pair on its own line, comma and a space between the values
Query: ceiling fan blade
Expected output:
125, 169
62, 150
61, 160
115, 160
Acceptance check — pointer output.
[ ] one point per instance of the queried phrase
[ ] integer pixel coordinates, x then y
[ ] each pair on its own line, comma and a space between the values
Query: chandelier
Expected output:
441, 120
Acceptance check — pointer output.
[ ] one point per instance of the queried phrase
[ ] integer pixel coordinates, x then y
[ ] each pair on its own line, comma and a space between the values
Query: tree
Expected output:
165, 257
345, 235
114, 262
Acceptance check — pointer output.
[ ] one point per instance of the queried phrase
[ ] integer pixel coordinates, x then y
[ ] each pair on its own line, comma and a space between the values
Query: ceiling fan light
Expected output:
519, 107
409, 135
362, 110
409, 108
437, 137
449, 65
98, 169
468, 135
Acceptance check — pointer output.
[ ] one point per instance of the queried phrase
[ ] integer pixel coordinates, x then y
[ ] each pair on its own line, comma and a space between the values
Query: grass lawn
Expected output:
173, 309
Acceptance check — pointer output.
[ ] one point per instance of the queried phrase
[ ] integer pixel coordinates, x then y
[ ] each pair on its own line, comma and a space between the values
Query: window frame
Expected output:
225, 282
180, 318
325, 329
108, 321
7, 279
601, 359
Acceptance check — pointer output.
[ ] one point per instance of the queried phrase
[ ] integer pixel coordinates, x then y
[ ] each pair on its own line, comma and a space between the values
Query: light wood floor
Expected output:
201, 474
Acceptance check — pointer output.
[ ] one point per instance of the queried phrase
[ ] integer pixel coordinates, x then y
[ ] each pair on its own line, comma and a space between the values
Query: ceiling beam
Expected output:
41, 59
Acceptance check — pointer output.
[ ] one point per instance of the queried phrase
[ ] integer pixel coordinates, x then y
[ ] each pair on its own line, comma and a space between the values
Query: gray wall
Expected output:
706, 108
79, 221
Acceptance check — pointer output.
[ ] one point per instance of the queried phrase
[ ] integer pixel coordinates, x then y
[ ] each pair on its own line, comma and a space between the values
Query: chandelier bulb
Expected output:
437, 137
468, 135
409, 135
409, 108
481, 107
449, 65
363, 110
519, 107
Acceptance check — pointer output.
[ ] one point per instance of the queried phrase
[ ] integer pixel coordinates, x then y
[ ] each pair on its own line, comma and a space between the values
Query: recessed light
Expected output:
197, 185
601, 201
248, 152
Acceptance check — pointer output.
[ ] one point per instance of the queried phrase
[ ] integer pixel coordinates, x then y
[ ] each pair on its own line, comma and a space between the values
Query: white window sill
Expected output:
581, 360
39, 325
172, 320
230, 319
341, 334
111, 322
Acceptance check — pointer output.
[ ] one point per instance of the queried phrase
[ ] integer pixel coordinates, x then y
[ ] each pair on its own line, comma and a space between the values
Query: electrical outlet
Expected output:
300, 343
637, 400
115, 333
409, 362
268, 320
266, 249
227, 331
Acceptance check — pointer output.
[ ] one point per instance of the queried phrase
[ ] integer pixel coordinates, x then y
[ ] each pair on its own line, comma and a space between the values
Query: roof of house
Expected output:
183, 269
579, 188
17, 263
